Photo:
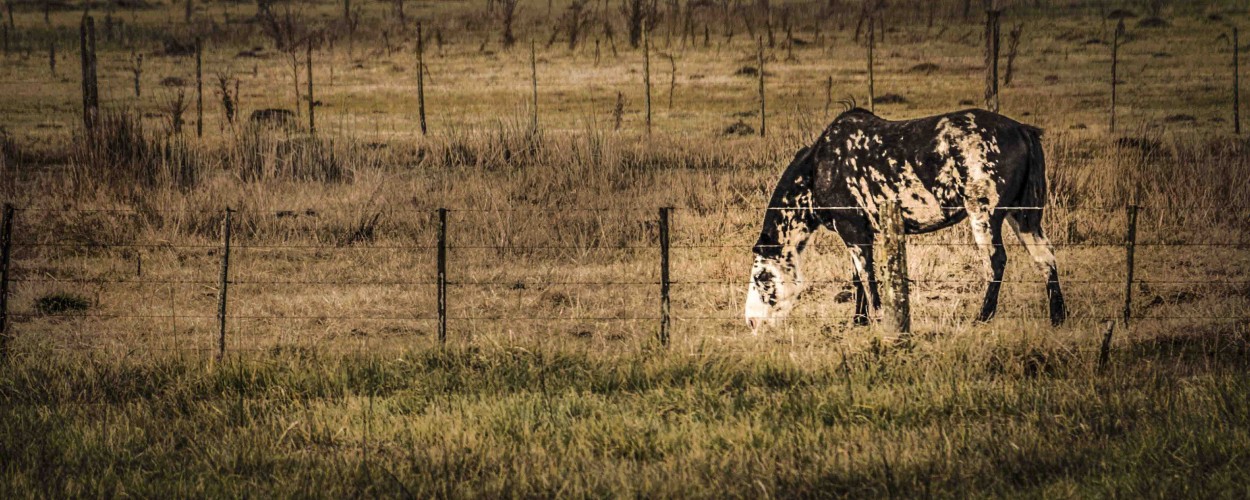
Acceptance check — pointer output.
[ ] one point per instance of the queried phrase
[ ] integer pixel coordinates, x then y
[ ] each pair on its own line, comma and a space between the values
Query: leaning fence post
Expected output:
897, 291
1104, 351
420, 76
1130, 246
665, 214
6, 243
442, 276
223, 284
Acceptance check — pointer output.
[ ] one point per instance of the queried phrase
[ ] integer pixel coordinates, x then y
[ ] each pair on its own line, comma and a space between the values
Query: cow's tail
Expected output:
1033, 196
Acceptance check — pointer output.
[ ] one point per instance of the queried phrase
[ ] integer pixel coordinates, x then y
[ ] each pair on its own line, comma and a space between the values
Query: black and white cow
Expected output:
970, 164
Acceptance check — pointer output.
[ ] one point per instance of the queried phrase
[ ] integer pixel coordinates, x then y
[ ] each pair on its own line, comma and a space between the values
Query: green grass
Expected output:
539, 420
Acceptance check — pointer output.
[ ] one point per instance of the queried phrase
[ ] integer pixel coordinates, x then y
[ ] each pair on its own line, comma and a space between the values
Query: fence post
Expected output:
763, 114
420, 74
1115, 63
223, 285
646, 72
199, 83
991, 59
312, 101
1104, 352
1236, 85
872, 98
665, 215
1130, 247
897, 296
442, 276
534, 86
6, 243
90, 92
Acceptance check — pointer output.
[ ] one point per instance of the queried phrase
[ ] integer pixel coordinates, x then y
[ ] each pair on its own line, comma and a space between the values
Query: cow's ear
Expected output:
802, 151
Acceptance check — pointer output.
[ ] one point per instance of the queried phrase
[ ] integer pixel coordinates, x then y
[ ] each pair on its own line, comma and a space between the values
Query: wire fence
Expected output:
457, 274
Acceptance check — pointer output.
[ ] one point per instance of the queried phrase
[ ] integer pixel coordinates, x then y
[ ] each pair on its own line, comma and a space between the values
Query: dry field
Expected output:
551, 382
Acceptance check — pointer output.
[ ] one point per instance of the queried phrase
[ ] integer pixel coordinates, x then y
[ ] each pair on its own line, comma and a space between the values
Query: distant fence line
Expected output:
442, 248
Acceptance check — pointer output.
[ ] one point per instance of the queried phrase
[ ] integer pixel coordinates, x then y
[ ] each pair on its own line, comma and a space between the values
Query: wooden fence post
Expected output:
90, 92
442, 276
199, 81
312, 101
6, 244
420, 75
223, 285
1115, 63
991, 59
872, 97
1130, 247
665, 307
1104, 352
897, 296
646, 71
534, 86
763, 100
1236, 85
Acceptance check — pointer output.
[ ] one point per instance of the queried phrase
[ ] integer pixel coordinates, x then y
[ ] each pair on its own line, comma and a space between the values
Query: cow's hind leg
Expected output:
987, 230
1029, 228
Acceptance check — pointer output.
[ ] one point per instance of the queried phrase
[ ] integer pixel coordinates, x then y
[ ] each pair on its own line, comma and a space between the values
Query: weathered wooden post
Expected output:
1115, 63
90, 93
665, 217
897, 292
6, 244
763, 113
646, 71
1236, 84
223, 285
420, 75
1104, 351
199, 81
534, 86
1130, 247
991, 58
828, 94
312, 101
872, 97
442, 276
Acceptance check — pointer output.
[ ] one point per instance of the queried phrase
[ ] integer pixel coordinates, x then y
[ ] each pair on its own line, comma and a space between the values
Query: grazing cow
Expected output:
970, 164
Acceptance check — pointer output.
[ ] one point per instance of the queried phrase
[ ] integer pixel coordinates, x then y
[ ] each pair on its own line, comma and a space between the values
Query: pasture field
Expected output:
551, 382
